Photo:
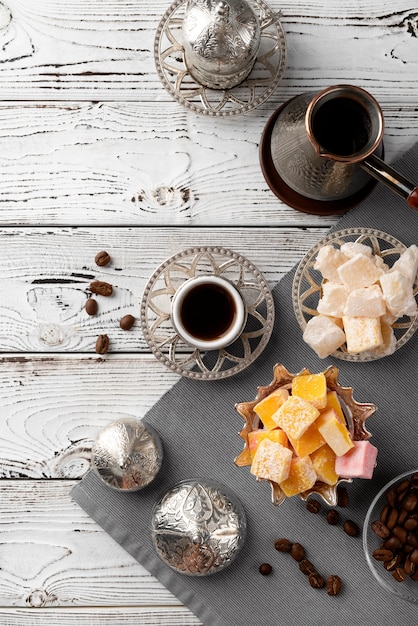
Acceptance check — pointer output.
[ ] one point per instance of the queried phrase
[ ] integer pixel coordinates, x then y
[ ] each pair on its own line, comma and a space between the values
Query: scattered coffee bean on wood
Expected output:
313, 506
265, 569
332, 517
283, 545
101, 288
351, 528
102, 258
102, 344
333, 585
127, 322
91, 306
297, 551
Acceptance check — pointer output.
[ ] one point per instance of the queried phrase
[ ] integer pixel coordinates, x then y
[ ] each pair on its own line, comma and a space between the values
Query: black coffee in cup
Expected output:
207, 311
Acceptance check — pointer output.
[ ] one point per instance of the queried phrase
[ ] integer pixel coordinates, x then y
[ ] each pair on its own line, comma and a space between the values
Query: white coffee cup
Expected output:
208, 312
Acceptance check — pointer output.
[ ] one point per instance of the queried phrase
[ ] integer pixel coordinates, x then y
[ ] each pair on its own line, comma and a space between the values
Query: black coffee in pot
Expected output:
341, 126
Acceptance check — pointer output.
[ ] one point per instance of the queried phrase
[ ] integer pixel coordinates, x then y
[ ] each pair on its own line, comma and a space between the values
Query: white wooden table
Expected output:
94, 154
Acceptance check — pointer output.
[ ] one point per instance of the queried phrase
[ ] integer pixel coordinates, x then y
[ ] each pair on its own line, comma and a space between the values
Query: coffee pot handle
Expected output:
393, 179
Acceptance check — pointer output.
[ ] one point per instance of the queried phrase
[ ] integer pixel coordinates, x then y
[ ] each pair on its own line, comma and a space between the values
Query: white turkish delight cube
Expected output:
398, 294
328, 261
407, 264
365, 302
359, 271
351, 248
323, 335
362, 333
333, 299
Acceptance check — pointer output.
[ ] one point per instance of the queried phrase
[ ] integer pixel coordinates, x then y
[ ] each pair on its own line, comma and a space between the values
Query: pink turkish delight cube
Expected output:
359, 462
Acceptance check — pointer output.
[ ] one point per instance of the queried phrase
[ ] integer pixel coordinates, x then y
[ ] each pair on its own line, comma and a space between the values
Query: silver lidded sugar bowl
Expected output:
198, 527
221, 41
127, 454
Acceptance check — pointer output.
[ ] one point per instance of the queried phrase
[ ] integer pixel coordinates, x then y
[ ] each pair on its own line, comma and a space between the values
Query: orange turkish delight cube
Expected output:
323, 461
302, 476
271, 461
311, 387
295, 416
265, 408
334, 432
334, 403
310, 441
256, 436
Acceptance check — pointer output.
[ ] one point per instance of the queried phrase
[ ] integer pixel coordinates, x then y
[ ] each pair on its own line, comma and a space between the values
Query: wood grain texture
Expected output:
45, 277
103, 50
122, 164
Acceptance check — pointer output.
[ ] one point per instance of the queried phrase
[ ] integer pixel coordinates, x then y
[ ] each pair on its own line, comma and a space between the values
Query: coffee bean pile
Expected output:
332, 516
102, 288
397, 527
332, 584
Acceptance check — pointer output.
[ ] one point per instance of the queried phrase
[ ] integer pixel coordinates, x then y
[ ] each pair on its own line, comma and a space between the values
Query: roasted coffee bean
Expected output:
400, 533
392, 519
409, 567
102, 344
333, 585
380, 529
407, 548
297, 551
313, 506
412, 539
403, 516
399, 574
265, 569
384, 514
402, 487
316, 581
351, 528
411, 523
414, 556
101, 288
342, 496
91, 306
410, 502
414, 480
332, 517
392, 563
283, 545
383, 554
102, 258
127, 322
306, 567
393, 543
391, 497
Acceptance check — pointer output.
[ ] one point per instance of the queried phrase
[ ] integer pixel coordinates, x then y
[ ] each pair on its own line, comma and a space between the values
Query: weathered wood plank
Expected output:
126, 616
53, 555
46, 273
53, 407
104, 50
123, 164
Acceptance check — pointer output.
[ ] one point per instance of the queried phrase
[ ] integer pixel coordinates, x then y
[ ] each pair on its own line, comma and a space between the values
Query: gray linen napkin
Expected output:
199, 428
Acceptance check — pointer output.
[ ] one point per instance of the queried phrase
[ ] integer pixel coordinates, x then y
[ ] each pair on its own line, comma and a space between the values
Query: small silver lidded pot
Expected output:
221, 41
198, 527
127, 454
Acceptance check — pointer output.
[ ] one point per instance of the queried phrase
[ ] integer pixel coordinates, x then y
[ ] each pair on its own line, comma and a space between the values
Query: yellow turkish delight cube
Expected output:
334, 432
295, 416
256, 436
334, 403
310, 441
271, 461
323, 461
311, 387
265, 408
302, 476
362, 333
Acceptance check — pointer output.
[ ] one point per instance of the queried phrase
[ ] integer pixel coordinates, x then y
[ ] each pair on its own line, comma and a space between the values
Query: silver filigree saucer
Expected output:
163, 339
263, 79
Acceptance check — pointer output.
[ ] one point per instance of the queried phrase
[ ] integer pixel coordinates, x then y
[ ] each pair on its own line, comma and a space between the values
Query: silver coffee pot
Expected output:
221, 41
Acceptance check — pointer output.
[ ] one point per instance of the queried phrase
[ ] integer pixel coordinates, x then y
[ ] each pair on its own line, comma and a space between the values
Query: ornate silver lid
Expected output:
221, 41
198, 527
127, 454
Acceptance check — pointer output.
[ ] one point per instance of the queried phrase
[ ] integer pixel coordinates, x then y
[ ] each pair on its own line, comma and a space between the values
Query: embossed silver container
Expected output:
198, 527
221, 41
127, 454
